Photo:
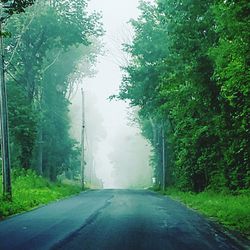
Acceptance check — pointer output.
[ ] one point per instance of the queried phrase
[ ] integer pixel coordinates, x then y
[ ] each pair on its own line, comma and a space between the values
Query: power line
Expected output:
25, 89
25, 27
87, 141
19, 83
38, 102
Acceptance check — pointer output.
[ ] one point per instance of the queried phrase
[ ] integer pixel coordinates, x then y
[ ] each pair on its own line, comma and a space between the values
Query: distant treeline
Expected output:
189, 74
43, 48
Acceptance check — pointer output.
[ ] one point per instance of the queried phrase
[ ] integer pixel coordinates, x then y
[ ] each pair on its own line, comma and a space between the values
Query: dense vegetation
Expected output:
31, 190
46, 45
189, 75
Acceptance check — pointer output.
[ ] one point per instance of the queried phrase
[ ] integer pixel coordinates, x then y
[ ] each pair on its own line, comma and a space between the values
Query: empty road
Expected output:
113, 219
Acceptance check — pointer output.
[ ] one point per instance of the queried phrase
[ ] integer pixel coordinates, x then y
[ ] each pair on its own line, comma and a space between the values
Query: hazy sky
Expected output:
116, 14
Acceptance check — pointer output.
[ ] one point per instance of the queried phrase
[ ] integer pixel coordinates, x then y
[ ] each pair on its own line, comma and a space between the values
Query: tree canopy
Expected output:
189, 75
48, 42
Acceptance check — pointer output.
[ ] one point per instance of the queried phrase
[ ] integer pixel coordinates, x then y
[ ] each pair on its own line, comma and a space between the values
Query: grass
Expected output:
232, 211
30, 191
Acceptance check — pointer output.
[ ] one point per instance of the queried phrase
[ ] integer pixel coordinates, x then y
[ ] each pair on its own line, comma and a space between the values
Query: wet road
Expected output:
110, 220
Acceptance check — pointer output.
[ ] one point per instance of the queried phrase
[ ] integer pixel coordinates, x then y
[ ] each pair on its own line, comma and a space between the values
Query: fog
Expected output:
116, 152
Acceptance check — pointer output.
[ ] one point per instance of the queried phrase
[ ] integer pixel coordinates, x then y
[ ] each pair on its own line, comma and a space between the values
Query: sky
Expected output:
116, 14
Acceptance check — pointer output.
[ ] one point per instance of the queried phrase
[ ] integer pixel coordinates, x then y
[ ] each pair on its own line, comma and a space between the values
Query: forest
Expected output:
44, 44
189, 76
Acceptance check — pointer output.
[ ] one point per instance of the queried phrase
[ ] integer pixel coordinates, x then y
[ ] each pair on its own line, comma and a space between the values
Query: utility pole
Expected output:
40, 136
4, 125
82, 141
40, 151
163, 160
91, 170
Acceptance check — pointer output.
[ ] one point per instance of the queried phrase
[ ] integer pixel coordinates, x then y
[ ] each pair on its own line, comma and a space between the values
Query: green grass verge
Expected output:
30, 191
232, 211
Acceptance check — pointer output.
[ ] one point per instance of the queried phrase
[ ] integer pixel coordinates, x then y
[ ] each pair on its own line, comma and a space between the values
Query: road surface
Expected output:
110, 220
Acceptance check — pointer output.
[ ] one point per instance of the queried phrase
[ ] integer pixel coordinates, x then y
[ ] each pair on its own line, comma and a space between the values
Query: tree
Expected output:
41, 58
189, 71
15, 6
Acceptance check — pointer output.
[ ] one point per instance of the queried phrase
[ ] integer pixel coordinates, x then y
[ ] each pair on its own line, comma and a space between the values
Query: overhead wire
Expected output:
25, 27
37, 101
25, 89
87, 142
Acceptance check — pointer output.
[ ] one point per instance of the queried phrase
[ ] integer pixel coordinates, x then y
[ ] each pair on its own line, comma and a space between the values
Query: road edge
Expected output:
237, 237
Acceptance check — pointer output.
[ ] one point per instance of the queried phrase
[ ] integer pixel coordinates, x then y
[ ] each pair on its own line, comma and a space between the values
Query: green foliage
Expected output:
15, 6
31, 190
42, 66
233, 211
22, 121
189, 75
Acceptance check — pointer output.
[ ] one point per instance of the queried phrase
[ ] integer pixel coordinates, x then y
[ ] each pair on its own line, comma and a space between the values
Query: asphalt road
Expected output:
110, 220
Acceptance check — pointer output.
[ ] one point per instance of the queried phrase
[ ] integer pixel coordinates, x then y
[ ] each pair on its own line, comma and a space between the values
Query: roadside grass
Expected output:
232, 211
30, 190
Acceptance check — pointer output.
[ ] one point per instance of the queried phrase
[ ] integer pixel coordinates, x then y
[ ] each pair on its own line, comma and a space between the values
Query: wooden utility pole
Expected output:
40, 150
163, 160
4, 125
82, 141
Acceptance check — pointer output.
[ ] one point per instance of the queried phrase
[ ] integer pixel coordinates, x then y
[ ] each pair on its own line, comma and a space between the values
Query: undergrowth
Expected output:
231, 210
30, 190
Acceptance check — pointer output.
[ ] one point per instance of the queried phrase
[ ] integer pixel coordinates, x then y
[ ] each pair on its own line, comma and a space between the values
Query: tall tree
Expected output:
41, 57
189, 73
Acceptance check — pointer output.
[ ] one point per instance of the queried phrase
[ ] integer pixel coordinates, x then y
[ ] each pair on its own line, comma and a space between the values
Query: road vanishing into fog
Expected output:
110, 220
